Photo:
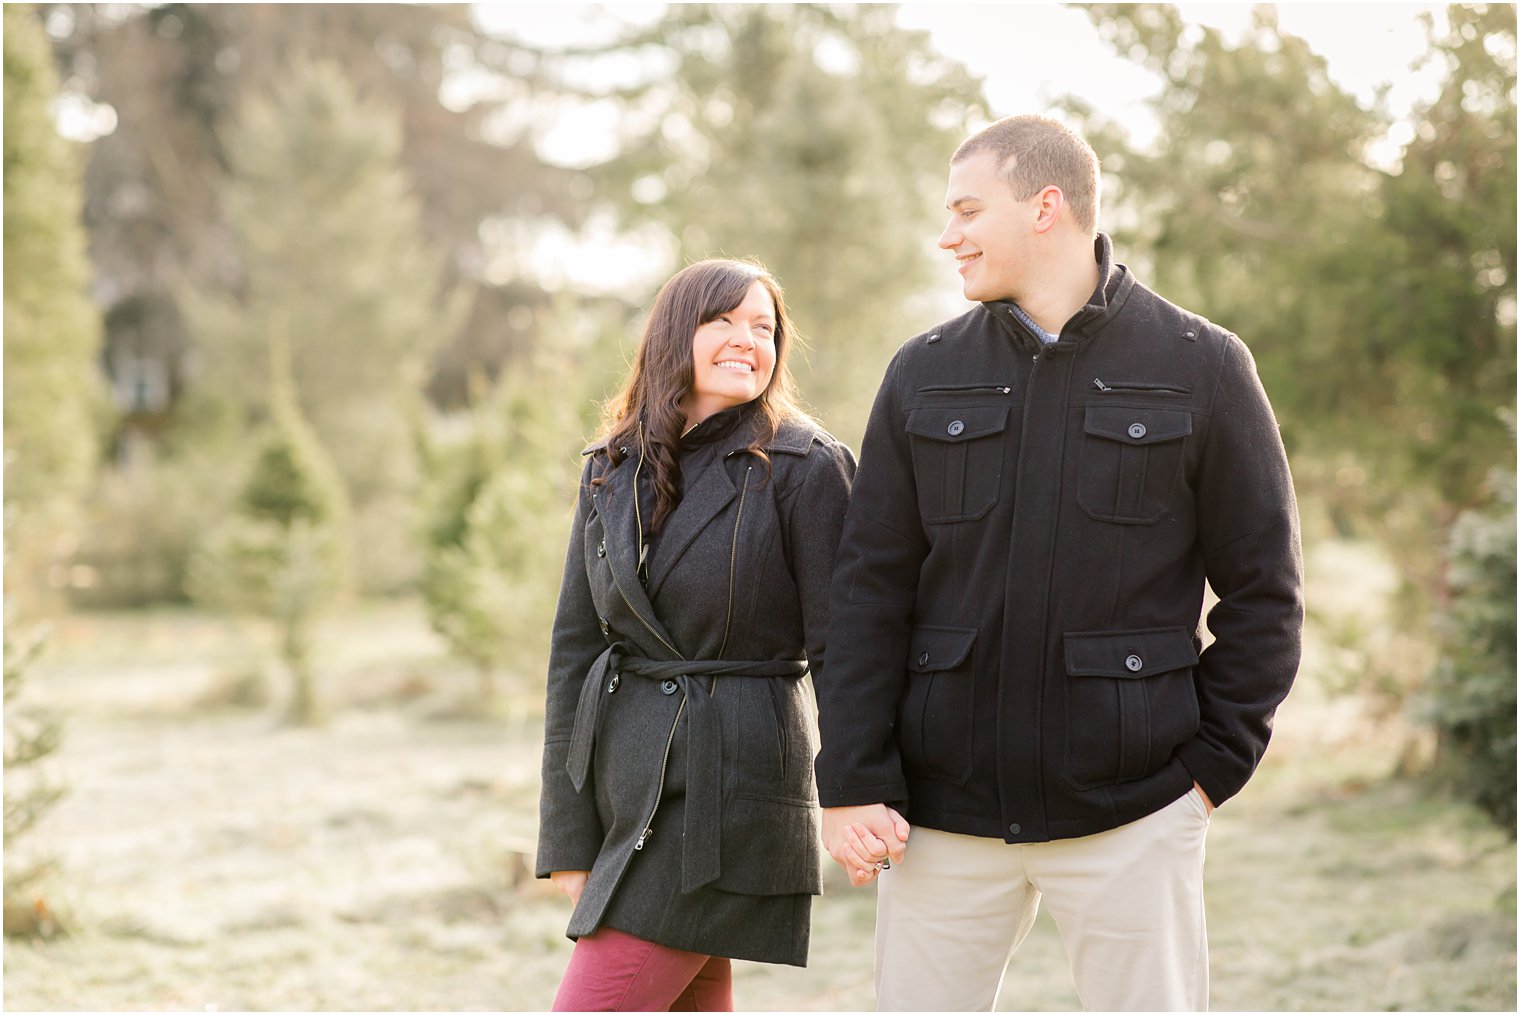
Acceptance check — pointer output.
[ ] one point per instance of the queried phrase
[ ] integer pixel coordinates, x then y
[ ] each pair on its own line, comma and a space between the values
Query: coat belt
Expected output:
702, 852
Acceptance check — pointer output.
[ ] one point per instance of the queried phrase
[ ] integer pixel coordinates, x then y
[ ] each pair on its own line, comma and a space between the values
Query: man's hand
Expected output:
1207, 803
862, 839
572, 883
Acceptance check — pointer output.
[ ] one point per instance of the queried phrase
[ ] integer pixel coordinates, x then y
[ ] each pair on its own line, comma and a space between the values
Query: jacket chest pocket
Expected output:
1131, 459
1130, 701
957, 459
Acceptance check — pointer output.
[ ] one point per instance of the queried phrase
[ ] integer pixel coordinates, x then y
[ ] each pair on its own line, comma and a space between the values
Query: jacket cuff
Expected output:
569, 830
893, 794
1217, 775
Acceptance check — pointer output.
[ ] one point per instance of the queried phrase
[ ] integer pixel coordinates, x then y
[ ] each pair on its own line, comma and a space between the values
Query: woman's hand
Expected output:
572, 883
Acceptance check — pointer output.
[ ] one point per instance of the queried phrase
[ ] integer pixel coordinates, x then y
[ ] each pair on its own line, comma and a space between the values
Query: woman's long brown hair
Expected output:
663, 375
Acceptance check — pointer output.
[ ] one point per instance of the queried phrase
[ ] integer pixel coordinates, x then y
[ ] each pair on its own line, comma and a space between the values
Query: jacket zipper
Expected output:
670, 739
1001, 389
1140, 386
660, 791
733, 560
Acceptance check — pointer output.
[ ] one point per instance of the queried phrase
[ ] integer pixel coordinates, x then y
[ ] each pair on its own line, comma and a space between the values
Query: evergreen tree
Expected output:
30, 737
283, 553
1470, 698
332, 254
53, 397
499, 493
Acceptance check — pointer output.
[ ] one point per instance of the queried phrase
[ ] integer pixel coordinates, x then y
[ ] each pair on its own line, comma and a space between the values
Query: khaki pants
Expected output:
1128, 903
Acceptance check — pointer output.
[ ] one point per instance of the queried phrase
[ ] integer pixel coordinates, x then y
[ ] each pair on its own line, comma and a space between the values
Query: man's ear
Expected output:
1048, 205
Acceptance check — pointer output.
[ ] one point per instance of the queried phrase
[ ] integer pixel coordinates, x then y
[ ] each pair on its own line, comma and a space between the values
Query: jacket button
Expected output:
1137, 430
1133, 663
1190, 334
933, 338
1015, 828
955, 428
923, 659
612, 685
601, 548
668, 687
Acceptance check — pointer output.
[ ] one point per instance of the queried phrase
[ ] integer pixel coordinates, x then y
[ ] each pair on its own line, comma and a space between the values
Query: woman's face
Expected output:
733, 356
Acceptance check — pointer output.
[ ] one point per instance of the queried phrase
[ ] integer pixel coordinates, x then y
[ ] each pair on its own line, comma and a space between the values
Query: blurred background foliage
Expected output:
298, 267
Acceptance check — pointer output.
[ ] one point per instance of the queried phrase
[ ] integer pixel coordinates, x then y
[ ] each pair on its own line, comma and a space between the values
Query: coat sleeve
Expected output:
569, 832
871, 605
814, 516
1248, 532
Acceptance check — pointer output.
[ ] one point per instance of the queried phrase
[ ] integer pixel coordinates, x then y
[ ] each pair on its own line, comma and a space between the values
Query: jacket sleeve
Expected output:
569, 831
814, 517
871, 606
1248, 533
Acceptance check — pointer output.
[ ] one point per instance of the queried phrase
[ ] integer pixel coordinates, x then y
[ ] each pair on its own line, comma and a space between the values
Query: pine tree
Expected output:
30, 737
500, 492
54, 402
329, 234
284, 553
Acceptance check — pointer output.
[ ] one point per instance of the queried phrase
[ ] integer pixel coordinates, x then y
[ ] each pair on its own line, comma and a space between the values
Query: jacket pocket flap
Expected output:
933, 649
1129, 653
1137, 426
957, 423
770, 847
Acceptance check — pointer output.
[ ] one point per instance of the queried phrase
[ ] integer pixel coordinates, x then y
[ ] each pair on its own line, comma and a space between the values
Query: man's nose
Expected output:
951, 237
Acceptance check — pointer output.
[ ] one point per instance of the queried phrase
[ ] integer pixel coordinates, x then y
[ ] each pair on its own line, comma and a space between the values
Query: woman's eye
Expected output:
967, 214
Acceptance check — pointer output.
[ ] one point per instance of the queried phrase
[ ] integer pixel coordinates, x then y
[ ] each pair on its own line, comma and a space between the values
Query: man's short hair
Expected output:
1034, 152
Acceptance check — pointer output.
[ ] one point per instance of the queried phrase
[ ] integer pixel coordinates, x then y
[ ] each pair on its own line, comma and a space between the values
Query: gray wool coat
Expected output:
678, 753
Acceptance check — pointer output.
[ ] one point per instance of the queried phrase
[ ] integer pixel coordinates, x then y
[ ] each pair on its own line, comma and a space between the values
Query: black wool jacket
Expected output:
678, 747
1014, 644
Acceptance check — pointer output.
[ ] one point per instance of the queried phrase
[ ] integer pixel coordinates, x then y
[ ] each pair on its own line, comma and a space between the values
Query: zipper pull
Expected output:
1100, 385
640, 844
1005, 390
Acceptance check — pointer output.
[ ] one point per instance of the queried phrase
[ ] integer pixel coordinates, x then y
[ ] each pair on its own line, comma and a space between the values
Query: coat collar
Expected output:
1114, 284
709, 491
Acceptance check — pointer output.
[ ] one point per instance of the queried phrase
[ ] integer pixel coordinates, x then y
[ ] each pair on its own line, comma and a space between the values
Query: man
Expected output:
1045, 484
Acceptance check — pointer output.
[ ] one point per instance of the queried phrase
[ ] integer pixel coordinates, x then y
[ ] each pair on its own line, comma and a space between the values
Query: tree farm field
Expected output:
209, 856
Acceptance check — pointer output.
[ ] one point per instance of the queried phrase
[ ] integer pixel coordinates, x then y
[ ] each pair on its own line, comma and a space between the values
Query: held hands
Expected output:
865, 839
572, 883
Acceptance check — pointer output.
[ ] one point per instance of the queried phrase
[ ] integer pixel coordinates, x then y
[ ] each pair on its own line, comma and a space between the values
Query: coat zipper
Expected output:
733, 560
660, 792
1167, 389
1001, 389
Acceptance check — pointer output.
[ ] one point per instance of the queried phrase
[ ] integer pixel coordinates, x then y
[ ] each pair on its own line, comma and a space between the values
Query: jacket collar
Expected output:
708, 492
1114, 284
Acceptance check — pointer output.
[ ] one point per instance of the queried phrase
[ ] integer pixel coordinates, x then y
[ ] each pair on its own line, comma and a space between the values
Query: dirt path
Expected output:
217, 860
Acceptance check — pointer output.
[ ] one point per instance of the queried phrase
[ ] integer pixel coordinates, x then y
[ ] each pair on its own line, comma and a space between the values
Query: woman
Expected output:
678, 809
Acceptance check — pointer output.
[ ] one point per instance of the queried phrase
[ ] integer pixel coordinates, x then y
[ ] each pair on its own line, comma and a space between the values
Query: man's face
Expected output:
989, 232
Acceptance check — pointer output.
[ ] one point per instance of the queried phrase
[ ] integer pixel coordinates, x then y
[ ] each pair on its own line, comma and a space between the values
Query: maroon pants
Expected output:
613, 971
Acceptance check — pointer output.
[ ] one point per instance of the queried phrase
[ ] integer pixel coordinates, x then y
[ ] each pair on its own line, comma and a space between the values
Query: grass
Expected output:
212, 858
